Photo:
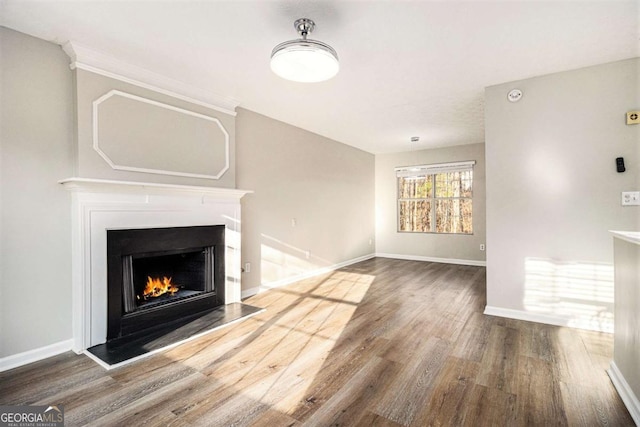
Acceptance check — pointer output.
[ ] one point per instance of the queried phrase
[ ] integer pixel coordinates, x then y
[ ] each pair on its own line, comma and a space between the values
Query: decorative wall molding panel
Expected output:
129, 132
85, 58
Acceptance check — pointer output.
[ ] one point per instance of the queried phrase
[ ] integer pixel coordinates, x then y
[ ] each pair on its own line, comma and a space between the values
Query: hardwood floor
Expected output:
380, 343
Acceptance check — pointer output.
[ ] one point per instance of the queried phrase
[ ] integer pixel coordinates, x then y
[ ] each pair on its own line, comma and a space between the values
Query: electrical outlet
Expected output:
247, 267
631, 198
633, 117
294, 222
482, 246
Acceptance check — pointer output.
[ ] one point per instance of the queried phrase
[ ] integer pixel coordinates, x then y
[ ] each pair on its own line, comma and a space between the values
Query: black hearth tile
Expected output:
122, 349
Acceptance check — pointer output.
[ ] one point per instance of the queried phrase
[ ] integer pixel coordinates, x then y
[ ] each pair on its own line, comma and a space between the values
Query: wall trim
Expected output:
289, 280
627, 395
250, 292
87, 59
473, 262
510, 313
30, 356
113, 165
548, 319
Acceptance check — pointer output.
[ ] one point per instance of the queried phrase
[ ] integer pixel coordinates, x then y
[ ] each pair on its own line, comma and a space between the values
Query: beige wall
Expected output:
35, 236
427, 245
91, 86
553, 191
327, 187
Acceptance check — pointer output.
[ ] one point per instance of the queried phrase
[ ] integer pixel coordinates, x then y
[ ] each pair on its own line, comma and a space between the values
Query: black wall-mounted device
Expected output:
620, 164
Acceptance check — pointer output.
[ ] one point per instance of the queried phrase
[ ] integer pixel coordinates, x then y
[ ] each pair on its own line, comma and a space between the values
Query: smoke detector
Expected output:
514, 95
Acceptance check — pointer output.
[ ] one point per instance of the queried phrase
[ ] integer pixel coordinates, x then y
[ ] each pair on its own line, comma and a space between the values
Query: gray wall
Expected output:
446, 246
327, 187
35, 232
553, 191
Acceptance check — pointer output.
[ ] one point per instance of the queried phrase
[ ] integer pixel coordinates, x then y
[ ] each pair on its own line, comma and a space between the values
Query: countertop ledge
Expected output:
629, 236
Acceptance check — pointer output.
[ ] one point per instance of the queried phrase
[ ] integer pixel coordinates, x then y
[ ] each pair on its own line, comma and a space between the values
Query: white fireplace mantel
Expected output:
101, 205
90, 185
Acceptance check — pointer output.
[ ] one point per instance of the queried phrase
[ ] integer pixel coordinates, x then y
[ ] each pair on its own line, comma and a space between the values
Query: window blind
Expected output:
423, 170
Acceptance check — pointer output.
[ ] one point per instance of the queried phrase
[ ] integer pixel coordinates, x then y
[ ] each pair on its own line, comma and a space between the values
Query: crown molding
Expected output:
85, 58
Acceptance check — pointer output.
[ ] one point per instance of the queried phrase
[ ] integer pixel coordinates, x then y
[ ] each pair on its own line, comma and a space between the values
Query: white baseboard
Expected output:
548, 319
434, 259
20, 359
250, 292
306, 275
525, 315
626, 393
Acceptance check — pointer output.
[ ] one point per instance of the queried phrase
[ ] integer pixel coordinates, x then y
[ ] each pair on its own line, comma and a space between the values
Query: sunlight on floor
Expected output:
269, 356
581, 291
308, 326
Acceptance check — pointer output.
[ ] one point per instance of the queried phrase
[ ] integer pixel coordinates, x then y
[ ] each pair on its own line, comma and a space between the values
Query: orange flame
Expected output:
156, 287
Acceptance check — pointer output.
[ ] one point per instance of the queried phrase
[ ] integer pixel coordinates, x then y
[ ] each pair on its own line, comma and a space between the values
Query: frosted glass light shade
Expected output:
305, 61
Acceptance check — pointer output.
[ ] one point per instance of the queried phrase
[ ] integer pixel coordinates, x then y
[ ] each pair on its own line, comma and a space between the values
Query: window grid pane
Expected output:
415, 187
454, 216
414, 215
454, 184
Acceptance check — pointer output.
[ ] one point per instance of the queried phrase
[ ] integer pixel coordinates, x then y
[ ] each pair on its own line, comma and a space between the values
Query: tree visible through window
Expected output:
433, 201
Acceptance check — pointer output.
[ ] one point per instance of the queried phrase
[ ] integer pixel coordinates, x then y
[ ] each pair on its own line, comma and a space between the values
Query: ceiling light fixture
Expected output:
304, 60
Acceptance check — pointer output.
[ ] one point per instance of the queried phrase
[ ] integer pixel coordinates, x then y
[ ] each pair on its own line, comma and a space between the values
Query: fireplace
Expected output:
161, 275
104, 206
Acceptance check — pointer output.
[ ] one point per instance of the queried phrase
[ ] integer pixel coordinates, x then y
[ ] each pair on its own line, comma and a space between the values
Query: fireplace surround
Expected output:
103, 206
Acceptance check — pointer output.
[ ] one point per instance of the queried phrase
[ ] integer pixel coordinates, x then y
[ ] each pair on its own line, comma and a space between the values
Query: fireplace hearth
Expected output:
164, 286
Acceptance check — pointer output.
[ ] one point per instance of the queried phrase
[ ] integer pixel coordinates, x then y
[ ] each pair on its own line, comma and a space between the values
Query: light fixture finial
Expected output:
304, 27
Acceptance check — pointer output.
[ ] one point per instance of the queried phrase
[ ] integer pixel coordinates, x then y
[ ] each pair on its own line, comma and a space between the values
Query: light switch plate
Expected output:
631, 198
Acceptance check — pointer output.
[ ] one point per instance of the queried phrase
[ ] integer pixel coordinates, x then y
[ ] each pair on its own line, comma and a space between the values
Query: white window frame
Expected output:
426, 170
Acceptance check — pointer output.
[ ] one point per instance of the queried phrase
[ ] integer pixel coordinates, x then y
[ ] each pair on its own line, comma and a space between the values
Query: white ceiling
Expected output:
408, 68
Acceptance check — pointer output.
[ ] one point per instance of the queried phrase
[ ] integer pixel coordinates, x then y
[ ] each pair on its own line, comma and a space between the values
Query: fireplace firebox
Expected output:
161, 275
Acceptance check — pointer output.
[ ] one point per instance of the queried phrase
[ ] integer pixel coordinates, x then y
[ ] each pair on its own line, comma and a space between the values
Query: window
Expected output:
436, 198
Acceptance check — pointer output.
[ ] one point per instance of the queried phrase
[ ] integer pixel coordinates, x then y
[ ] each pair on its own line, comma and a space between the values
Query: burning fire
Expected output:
156, 287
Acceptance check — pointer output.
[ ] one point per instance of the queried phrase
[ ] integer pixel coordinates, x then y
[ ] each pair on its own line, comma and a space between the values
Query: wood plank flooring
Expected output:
380, 343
